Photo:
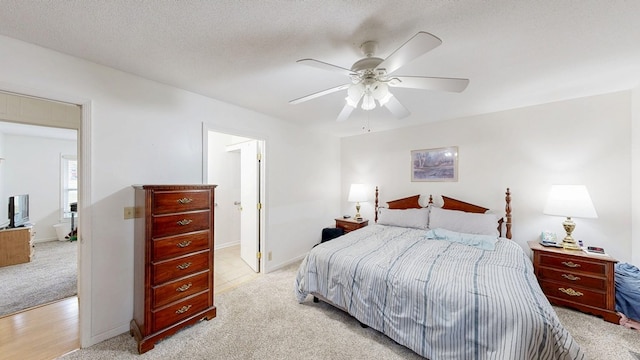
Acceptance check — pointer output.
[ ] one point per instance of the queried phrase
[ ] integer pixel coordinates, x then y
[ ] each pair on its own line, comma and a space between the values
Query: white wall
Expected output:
582, 141
32, 166
224, 171
143, 132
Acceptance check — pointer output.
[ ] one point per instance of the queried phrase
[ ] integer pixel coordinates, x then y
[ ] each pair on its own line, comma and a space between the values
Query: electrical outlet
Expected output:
129, 212
269, 257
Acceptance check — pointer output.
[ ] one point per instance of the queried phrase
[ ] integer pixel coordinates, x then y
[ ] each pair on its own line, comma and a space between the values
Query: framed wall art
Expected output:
439, 164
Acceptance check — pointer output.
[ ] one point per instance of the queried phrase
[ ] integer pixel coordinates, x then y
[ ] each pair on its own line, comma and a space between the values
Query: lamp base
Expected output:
569, 243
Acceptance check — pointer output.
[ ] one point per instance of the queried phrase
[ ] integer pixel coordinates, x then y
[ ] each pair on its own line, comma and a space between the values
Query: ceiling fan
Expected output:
371, 77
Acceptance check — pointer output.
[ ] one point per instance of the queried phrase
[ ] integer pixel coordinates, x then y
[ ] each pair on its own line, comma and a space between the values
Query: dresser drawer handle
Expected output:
571, 292
185, 200
184, 266
570, 277
570, 264
184, 287
184, 222
184, 244
183, 309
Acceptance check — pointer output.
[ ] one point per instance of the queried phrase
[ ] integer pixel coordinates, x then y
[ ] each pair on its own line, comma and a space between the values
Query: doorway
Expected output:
51, 109
236, 164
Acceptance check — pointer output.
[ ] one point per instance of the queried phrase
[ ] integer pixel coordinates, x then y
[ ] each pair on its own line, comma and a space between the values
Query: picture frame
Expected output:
440, 164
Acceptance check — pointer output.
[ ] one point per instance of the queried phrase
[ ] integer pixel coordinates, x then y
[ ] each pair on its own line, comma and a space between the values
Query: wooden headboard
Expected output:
411, 202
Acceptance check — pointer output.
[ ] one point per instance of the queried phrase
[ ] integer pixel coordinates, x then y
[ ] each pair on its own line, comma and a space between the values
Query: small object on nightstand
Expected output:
346, 216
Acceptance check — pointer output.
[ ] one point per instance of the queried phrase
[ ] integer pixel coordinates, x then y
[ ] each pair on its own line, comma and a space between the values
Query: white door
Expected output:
250, 200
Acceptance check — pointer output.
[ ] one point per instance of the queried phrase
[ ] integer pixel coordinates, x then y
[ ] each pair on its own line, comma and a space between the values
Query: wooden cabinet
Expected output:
349, 224
16, 246
173, 260
576, 279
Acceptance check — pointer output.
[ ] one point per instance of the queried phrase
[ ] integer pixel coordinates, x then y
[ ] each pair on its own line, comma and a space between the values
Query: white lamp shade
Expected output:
357, 193
570, 201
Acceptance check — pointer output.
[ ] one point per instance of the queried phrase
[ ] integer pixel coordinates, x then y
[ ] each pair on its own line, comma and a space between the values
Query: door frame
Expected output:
263, 178
84, 197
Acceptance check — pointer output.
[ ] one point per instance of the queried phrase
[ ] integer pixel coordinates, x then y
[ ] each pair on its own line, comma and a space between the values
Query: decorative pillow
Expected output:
464, 222
484, 242
454, 204
411, 202
412, 218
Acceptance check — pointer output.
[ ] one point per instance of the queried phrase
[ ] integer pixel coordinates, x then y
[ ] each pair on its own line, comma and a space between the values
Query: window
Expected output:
69, 184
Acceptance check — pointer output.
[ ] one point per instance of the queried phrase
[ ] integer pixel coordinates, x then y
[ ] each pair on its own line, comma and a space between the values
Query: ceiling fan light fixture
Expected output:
354, 93
381, 93
368, 102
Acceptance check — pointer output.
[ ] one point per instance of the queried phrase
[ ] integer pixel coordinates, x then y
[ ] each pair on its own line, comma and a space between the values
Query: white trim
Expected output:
84, 199
263, 140
287, 263
227, 245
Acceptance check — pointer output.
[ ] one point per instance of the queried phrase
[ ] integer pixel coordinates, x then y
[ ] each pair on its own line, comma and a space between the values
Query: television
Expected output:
18, 210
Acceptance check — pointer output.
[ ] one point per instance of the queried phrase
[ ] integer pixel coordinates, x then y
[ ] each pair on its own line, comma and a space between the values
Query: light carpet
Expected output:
50, 275
262, 320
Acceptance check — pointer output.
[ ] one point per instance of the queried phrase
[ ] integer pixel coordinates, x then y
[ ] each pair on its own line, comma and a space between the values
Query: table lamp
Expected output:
570, 201
357, 193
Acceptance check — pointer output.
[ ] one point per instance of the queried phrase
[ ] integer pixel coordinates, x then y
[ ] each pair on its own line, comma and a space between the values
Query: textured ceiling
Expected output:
515, 53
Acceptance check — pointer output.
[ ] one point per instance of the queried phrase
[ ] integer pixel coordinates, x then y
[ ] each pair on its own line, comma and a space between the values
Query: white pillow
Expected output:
412, 218
463, 222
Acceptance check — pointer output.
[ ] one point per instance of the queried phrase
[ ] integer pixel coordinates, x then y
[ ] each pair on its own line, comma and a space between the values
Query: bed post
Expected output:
376, 206
430, 199
507, 209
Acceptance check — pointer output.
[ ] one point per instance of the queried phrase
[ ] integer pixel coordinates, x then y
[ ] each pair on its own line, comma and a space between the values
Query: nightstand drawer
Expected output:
574, 293
573, 263
350, 225
569, 278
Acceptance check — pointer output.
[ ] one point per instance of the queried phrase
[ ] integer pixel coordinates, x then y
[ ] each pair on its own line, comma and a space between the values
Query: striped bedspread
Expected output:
441, 299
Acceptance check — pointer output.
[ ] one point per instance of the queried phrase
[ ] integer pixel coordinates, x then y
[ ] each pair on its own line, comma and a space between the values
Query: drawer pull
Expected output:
570, 277
570, 264
184, 287
183, 266
571, 292
185, 200
185, 222
184, 244
183, 309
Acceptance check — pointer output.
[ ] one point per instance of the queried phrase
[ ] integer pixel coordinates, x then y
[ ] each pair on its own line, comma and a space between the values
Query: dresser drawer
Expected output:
569, 278
170, 247
168, 225
178, 311
574, 293
167, 202
177, 268
573, 263
184, 287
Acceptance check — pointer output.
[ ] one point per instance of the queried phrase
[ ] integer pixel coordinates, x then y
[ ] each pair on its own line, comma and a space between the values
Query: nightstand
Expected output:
350, 224
576, 279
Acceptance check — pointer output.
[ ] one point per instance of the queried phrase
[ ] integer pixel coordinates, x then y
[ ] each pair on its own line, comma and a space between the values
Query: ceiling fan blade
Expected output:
396, 108
430, 83
325, 66
344, 114
319, 93
419, 44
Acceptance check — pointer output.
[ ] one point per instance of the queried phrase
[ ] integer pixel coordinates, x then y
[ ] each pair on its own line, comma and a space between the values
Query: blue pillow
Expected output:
484, 242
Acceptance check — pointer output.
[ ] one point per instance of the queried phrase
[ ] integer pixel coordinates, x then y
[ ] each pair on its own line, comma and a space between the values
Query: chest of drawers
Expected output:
173, 260
576, 279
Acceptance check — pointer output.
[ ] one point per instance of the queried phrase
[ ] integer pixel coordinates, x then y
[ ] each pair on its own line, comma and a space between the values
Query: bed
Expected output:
445, 281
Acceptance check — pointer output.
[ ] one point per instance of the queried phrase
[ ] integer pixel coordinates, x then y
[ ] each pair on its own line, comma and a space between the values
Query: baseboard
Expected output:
226, 245
107, 335
285, 264
35, 241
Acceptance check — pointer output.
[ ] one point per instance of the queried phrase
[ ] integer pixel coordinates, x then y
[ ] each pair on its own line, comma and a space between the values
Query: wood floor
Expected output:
50, 331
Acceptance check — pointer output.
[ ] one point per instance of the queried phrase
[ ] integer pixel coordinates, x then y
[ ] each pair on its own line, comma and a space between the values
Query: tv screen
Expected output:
18, 210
